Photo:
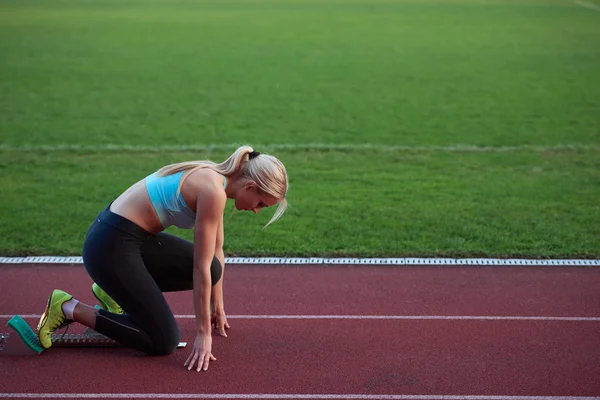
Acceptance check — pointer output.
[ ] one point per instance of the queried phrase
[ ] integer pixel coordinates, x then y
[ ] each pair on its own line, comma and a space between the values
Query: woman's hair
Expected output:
267, 171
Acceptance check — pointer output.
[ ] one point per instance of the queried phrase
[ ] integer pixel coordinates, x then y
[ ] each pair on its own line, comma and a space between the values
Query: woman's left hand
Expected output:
219, 321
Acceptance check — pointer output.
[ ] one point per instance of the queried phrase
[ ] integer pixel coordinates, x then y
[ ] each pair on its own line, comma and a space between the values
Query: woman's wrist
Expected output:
204, 329
219, 309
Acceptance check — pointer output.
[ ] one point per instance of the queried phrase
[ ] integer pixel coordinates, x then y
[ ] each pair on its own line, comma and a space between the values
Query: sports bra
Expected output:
170, 207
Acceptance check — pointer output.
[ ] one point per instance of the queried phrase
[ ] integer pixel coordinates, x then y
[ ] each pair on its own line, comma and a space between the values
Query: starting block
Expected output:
24, 341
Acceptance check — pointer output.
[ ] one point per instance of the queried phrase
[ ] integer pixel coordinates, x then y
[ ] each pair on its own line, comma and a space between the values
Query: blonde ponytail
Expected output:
227, 167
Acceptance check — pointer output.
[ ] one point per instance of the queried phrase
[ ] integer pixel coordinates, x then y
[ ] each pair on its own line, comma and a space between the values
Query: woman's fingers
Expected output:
222, 331
202, 361
201, 354
205, 360
223, 324
187, 362
191, 360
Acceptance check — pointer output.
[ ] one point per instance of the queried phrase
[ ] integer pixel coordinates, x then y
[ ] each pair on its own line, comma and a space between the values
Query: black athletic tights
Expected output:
134, 267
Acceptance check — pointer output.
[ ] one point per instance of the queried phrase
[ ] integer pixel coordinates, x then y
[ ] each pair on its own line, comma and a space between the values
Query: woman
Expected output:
131, 260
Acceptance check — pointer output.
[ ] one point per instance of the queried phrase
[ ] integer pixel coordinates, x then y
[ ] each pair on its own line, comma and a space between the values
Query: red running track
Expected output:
420, 357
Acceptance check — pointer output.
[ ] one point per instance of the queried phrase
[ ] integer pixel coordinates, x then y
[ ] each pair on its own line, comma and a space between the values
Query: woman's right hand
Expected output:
201, 353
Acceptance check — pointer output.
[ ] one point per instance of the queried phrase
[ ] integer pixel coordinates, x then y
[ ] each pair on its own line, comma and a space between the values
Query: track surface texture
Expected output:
343, 331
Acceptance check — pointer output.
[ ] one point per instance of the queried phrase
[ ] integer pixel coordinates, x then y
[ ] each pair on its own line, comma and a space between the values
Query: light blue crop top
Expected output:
170, 207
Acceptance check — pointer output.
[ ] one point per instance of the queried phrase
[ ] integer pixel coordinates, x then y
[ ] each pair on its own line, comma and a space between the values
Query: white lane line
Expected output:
587, 5
408, 261
281, 396
377, 317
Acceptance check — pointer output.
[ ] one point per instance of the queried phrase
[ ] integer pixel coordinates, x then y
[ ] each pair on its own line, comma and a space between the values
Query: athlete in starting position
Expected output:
132, 262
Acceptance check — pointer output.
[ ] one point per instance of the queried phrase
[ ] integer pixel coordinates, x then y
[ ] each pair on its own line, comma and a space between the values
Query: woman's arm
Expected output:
218, 314
209, 210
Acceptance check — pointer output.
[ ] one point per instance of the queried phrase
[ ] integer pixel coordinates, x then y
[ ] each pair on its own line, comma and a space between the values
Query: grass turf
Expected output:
391, 73
528, 204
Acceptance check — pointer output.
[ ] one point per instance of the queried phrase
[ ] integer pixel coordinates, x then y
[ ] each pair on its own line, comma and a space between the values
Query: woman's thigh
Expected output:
170, 261
113, 260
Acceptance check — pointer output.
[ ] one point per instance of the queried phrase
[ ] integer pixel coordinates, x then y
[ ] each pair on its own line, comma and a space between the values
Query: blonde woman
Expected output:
132, 262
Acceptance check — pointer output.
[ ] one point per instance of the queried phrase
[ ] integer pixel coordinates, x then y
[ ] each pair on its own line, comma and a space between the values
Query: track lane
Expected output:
346, 356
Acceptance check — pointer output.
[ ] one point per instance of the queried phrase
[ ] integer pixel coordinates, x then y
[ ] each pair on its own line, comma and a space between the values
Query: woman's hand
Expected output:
219, 321
201, 352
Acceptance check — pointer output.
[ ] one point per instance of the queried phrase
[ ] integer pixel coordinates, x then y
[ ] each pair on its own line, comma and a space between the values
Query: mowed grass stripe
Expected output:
586, 4
292, 146
365, 204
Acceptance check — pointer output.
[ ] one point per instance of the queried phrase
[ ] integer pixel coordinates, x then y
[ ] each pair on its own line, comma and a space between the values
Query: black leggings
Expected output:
134, 267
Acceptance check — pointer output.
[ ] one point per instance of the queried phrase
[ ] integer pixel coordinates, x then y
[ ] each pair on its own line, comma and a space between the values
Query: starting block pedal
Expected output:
24, 340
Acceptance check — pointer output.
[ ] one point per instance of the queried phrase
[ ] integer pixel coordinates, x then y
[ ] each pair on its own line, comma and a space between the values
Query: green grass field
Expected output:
408, 127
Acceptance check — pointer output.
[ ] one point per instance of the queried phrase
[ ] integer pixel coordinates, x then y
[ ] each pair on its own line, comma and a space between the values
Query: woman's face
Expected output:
251, 198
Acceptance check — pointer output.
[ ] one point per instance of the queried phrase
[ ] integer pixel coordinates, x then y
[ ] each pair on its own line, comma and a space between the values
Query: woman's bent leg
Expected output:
170, 261
113, 260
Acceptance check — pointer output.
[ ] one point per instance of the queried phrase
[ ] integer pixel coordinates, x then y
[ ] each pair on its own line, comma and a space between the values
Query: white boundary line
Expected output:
281, 396
377, 317
345, 261
587, 5
304, 147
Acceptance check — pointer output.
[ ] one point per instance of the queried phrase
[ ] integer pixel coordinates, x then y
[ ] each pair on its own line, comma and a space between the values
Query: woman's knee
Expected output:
166, 342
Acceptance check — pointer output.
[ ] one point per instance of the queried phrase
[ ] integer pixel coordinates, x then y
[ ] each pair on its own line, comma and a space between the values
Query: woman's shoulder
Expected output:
204, 182
204, 176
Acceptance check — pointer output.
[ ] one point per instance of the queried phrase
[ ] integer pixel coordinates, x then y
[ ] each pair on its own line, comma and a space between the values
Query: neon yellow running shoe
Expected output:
53, 317
106, 301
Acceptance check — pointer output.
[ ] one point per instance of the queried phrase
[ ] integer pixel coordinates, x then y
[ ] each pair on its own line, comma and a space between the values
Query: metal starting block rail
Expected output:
23, 340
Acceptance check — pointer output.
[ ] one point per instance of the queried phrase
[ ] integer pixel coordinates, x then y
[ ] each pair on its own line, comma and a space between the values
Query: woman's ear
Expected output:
250, 185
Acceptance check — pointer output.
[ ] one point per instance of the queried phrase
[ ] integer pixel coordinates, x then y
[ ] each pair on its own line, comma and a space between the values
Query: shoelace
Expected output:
61, 323
65, 324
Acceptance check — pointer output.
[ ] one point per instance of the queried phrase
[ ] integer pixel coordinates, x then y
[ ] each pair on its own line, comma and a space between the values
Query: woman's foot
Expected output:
106, 301
53, 317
